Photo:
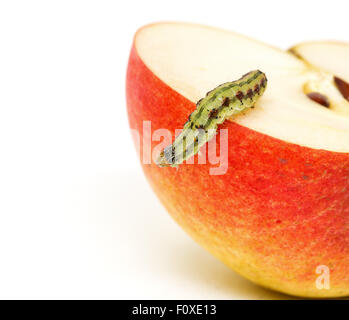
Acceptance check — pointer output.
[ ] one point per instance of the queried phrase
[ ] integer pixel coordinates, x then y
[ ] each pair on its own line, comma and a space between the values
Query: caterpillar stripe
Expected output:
224, 101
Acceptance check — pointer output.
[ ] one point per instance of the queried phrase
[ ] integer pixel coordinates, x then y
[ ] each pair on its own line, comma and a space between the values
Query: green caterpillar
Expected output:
226, 100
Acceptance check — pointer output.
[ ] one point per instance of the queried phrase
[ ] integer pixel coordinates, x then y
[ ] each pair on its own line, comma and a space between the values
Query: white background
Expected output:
77, 218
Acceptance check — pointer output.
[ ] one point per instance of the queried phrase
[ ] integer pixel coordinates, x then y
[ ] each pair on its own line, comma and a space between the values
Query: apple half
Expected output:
279, 216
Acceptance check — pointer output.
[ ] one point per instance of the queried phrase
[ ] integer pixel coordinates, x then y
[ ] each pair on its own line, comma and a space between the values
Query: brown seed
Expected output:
319, 98
343, 87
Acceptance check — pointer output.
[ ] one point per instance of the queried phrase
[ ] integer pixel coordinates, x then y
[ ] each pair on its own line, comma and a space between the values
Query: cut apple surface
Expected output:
192, 60
279, 215
332, 57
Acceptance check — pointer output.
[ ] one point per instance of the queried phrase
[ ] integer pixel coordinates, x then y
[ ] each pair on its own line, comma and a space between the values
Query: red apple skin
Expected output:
279, 212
